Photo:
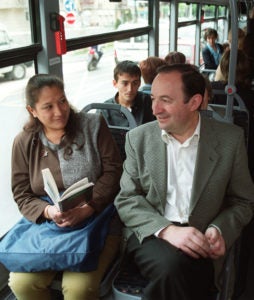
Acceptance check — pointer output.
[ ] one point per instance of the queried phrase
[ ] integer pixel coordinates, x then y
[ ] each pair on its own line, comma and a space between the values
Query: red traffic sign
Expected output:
70, 18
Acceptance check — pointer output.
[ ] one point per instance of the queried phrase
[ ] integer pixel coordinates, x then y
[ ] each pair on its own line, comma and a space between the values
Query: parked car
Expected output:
134, 48
16, 71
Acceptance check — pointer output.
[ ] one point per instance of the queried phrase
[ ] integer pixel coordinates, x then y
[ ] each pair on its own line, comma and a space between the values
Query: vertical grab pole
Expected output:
230, 88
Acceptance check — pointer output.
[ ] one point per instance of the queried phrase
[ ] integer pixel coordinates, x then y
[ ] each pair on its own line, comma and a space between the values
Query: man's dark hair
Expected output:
126, 66
192, 79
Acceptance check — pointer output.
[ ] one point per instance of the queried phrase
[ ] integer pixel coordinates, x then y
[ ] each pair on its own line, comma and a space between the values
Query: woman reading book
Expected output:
73, 146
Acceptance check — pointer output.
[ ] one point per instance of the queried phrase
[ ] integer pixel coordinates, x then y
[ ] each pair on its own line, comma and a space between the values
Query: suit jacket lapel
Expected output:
207, 158
156, 159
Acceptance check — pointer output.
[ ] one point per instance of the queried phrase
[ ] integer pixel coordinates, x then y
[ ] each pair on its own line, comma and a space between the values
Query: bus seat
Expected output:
211, 113
240, 112
128, 283
118, 132
210, 73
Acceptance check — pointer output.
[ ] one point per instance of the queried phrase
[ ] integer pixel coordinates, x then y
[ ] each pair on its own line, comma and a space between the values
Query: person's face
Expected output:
173, 115
127, 86
52, 109
211, 39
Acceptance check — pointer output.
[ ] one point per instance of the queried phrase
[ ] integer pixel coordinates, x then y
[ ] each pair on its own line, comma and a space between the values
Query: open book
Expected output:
76, 195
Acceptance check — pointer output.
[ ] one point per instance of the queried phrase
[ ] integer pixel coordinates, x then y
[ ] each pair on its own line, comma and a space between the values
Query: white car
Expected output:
134, 48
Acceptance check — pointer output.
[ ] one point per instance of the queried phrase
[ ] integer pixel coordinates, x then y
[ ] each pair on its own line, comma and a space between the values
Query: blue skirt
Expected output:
30, 247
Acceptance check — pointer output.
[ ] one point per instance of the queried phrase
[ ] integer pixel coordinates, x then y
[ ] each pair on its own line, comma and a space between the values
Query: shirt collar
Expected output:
166, 137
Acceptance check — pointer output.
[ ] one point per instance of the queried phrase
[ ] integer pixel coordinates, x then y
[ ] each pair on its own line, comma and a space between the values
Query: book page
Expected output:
76, 188
50, 186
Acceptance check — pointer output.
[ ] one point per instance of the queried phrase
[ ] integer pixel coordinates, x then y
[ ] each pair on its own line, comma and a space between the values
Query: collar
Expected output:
134, 102
166, 137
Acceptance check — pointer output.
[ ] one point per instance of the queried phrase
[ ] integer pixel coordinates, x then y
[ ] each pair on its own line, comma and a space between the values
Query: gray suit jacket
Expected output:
222, 191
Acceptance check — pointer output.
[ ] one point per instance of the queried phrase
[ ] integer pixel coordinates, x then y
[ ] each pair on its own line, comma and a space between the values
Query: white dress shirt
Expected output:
181, 165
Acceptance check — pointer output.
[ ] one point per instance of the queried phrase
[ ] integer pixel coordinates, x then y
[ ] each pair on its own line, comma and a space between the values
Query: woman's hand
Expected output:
71, 217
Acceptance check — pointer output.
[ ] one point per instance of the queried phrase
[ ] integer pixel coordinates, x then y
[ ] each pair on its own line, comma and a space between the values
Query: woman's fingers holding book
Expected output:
54, 214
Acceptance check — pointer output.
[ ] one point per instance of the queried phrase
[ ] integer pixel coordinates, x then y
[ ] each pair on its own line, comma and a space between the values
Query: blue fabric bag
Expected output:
30, 247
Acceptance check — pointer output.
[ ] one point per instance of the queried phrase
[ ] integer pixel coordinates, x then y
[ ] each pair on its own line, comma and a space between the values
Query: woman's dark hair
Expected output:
243, 70
175, 57
248, 48
192, 79
149, 66
32, 92
210, 32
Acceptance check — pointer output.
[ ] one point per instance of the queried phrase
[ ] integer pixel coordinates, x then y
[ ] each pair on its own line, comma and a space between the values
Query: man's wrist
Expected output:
216, 227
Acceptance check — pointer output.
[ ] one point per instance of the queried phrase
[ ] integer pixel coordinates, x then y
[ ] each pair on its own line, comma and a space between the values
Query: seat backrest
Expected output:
209, 73
122, 114
239, 111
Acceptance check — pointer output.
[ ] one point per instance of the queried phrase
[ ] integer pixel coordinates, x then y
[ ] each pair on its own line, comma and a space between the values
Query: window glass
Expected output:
209, 11
186, 42
222, 11
164, 29
15, 29
222, 34
13, 115
134, 48
88, 17
83, 86
14, 32
187, 12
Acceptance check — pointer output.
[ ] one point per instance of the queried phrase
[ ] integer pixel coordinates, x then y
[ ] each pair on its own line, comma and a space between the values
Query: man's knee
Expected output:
164, 259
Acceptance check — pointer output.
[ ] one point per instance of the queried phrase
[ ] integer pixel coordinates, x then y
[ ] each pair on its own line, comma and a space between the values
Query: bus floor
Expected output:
248, 293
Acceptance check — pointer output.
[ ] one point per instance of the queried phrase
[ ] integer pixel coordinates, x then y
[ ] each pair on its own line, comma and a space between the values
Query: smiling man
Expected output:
186, 191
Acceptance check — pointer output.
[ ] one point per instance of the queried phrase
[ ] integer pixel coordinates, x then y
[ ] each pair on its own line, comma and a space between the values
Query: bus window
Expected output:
84, 18
187, 12
134, 48
15, 32
83, 87
164, 29
186, 42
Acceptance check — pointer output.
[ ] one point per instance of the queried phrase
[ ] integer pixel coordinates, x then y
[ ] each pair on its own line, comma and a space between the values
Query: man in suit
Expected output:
186, 192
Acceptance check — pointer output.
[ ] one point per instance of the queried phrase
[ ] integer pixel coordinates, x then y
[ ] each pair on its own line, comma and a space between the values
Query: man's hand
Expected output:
216, 241
189, 239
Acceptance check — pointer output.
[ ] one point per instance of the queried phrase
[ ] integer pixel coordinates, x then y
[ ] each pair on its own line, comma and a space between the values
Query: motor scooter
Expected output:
94, 56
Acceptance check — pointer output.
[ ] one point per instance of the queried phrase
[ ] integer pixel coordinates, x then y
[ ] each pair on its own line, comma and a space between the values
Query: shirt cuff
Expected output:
215, 226
158, 231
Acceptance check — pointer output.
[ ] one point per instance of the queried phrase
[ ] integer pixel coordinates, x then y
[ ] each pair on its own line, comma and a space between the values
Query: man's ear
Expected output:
195, 102
114, 83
